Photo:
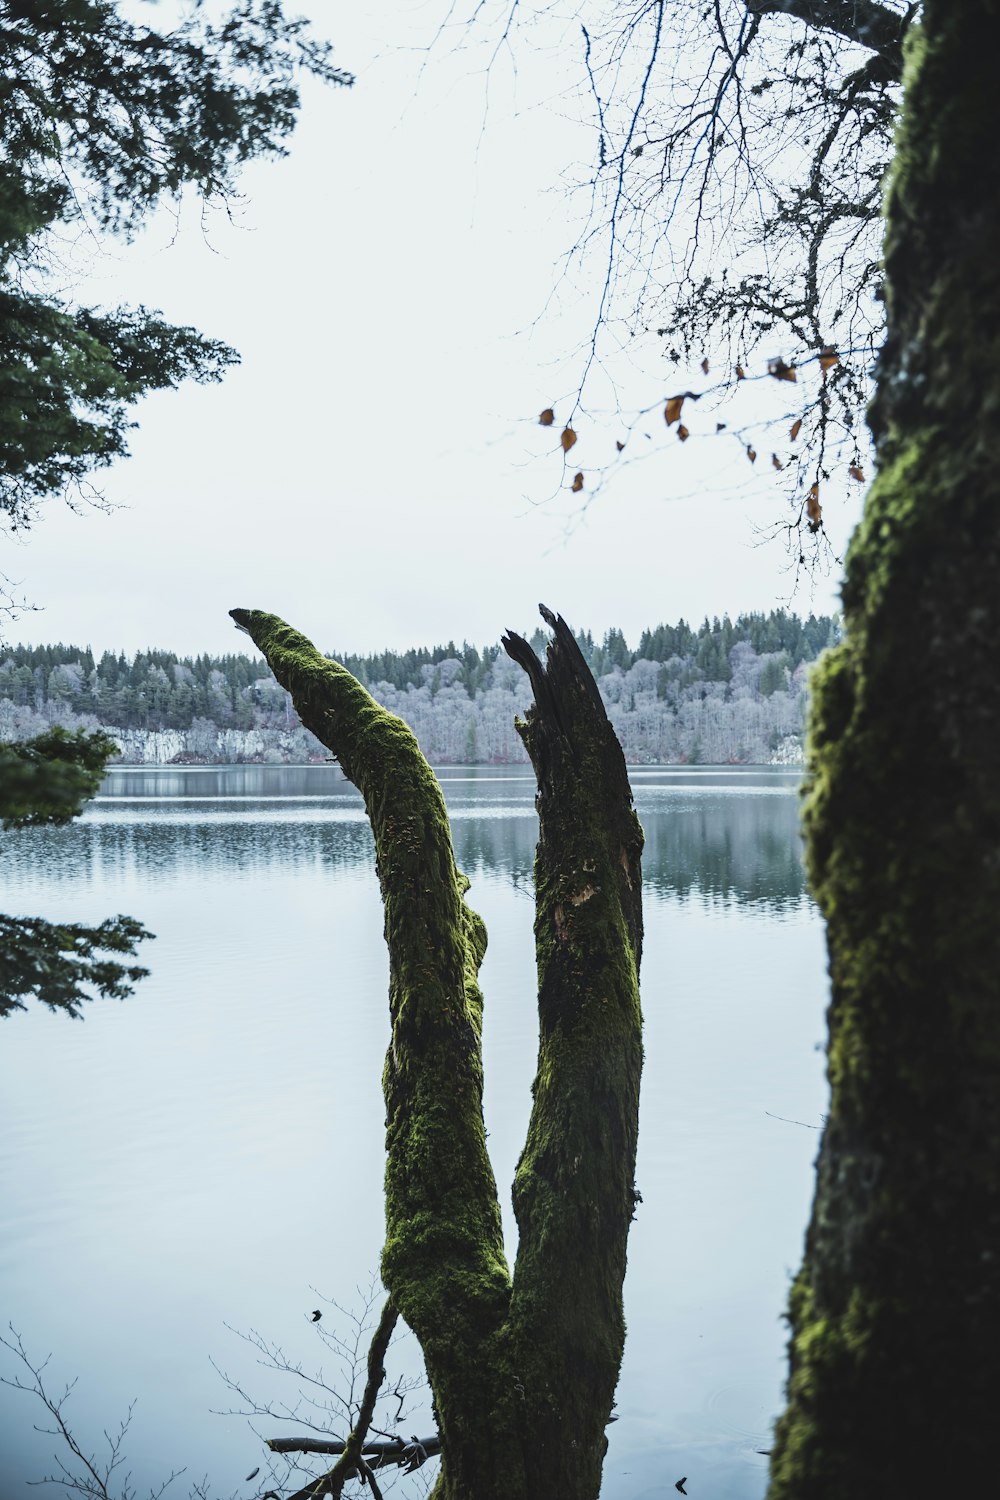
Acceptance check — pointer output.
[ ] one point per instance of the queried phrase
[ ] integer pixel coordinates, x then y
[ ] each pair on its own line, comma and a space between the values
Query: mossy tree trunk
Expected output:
895, 1315
522, 1367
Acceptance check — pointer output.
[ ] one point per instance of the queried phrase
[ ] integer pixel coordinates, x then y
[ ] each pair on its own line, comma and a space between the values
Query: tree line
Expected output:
722, 691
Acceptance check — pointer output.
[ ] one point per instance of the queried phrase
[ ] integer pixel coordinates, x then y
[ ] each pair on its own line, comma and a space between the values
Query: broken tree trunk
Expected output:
522, 1369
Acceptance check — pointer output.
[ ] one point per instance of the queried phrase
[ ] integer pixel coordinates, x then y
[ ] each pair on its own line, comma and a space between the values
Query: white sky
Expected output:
374, 471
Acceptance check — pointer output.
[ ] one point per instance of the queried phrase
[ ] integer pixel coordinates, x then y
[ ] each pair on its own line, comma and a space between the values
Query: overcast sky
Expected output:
374, 470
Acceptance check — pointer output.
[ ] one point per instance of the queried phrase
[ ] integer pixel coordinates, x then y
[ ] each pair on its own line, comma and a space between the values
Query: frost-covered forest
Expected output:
723, 692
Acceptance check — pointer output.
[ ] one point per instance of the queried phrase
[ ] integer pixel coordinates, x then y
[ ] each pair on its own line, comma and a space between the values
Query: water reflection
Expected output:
207, 1151
726, 837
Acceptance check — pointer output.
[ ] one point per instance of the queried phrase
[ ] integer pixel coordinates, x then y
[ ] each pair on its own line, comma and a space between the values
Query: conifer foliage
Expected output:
726, 690
47, 780
102, 120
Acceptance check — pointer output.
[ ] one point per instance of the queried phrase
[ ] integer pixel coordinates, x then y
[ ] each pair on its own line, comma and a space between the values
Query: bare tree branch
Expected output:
90, 1476
351, 1461
862, 21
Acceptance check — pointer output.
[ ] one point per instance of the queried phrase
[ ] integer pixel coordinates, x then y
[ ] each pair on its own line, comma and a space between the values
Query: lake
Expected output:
208, 1154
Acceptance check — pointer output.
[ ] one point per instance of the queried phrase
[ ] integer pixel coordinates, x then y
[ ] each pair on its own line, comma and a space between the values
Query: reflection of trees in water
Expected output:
497, 846
229, 781
729, 848
742, 849
168, 848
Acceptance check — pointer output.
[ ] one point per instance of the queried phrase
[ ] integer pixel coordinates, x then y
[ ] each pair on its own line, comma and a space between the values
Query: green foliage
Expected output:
48, 779
61, 964
67, 378
100, 120
161, 690
711, 643
680, 682
153, 690
773, 676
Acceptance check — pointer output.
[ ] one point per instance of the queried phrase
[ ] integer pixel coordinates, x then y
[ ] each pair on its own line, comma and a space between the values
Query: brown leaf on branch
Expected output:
780, 371
568, 439
776, 461
672, 410
796, 428
704, 367
828, 357
547, 417
740, 373
813, 508
619, 444
856, 472
751, 454
577, 484
683, 433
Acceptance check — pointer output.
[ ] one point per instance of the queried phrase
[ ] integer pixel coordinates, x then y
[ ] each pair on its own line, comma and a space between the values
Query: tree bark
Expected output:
864, 22
895, 1315
574, 1186
522, 1369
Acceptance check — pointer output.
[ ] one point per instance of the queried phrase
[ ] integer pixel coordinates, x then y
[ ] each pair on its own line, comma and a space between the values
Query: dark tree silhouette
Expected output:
895, 1315
103, 119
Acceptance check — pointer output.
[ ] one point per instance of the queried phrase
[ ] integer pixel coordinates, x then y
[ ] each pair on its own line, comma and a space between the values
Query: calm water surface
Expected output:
210, 1151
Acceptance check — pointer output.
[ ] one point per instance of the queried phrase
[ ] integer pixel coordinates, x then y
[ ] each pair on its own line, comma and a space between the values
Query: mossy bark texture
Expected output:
895, 1315
522, 1368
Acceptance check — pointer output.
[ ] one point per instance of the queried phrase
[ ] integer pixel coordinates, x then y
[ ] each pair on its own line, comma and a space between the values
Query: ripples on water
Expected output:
209, 1150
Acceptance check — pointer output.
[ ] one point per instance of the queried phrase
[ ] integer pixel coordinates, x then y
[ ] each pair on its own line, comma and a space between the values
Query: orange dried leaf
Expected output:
547, 417
795, 429
813, 508
683, 433
619, 444
577, 484
672, 410
780, 371
568, 439
828, 357
704, 367
740, 373
856, 472
751, 454
776, 461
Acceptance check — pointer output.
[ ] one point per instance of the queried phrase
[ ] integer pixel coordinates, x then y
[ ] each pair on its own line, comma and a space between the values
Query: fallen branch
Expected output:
355, 1450
392, 1451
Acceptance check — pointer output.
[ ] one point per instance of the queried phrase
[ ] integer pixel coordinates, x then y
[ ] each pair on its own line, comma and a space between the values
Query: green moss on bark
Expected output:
523, 1377
895, 1316
443, 1261
574, 1187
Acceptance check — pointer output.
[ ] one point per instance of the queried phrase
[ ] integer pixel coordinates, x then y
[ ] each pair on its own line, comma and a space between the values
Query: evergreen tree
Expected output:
102, 119
105, 117
46, 781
